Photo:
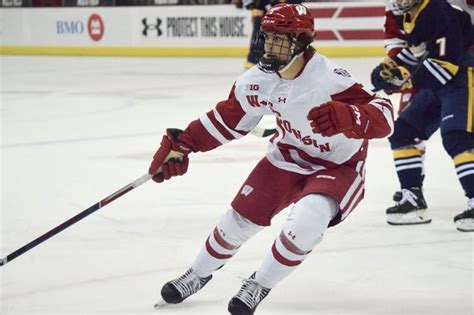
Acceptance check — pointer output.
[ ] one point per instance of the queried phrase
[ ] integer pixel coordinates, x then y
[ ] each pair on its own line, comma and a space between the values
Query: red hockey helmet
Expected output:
292, 19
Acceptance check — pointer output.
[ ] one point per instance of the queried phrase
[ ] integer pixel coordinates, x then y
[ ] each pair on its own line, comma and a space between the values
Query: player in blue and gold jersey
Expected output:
438, 62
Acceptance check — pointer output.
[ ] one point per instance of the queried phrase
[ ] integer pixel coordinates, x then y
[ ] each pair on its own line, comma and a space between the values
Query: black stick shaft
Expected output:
20, 251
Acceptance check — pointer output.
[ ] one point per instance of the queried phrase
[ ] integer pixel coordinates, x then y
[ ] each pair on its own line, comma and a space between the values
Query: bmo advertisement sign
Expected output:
93, 27
76, 27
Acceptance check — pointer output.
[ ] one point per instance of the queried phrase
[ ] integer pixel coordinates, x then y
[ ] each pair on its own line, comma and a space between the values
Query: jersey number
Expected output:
442, 46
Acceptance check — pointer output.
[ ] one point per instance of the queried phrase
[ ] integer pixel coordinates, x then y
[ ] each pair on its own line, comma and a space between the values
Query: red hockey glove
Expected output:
171, 159
336, 117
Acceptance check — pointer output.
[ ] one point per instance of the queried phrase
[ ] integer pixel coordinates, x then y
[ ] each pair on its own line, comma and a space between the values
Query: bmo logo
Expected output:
95, 27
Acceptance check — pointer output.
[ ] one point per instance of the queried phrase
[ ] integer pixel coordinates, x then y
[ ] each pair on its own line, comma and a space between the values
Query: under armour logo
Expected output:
291, 235
246, 190
148, 27
281, 99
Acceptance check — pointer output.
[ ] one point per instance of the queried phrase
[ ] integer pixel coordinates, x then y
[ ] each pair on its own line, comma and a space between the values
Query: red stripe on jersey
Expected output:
287, 156
322, 12
362, 11
306, 157
223, 131
362, 34
222, 242
198, 137
213, 253
231, 111
282, 260
290, 246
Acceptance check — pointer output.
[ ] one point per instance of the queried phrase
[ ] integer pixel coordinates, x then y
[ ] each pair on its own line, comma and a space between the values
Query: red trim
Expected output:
215, 254
222, 242
282, 260
362, 34
375, 11
290, 246
231, 111
305, 156
287, 156
223, 131
198, 137
356, 191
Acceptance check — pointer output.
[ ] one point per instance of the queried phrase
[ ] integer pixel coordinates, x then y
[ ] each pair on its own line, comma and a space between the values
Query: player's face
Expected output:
277, 45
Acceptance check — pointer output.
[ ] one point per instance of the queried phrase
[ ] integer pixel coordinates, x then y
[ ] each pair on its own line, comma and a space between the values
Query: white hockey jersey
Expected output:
294, 147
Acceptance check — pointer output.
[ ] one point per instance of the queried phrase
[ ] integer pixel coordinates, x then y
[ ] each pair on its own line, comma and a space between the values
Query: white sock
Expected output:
225, 240
303, 230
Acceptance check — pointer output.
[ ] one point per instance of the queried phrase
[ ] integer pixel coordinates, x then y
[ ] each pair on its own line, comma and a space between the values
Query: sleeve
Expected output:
394, 40
377, 112
226, 122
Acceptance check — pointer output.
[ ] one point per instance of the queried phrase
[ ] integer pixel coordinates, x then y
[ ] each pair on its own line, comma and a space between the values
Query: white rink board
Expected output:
168, 26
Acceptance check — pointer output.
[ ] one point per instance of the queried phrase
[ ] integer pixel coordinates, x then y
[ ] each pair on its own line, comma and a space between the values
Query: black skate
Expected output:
465, 220
247, 299
177, 290
410, 208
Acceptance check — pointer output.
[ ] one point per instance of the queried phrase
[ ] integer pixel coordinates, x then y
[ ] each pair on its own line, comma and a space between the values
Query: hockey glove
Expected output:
380, 76
391, 79
335, 117
171, 159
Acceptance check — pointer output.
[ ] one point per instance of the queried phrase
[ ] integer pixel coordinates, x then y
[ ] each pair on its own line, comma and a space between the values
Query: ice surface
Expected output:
74, 130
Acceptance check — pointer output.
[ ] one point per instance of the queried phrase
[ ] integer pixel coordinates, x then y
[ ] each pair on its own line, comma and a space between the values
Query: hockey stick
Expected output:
119, 193
262, 132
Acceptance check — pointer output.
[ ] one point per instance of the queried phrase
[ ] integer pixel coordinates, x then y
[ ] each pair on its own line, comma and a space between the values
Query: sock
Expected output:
464, 164
409, 167
224, 241
303, 230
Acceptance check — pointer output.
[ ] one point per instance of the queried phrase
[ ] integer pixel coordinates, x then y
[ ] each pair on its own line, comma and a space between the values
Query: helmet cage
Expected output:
399, 7
275, 50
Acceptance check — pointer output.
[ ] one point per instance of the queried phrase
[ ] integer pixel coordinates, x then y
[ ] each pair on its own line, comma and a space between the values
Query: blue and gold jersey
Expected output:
438, 36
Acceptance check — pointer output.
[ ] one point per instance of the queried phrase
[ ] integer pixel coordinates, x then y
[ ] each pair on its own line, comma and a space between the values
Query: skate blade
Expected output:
160, 304
465, 225
410, 218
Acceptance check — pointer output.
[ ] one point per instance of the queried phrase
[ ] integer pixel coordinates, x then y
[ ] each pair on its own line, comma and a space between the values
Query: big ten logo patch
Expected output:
251, 87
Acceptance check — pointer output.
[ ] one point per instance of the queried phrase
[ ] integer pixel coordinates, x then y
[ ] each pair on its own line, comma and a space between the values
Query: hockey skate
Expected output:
247, 299
410, 208
177, 290
465, 220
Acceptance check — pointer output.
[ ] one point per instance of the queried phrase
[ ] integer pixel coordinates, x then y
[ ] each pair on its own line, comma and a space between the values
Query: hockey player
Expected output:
437, 61
315, 160
394, 42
